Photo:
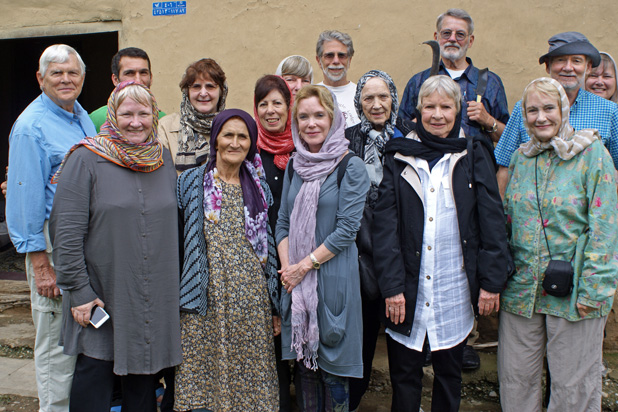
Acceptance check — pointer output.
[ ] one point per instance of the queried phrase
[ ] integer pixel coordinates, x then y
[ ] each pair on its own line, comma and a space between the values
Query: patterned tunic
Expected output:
228, 355
578, 200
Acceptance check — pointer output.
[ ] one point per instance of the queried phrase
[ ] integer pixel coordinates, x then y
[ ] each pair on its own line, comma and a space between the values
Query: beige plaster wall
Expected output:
249, 38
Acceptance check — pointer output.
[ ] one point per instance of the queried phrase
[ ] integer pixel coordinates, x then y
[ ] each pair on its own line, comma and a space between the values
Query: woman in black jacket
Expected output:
440, 248
376, 103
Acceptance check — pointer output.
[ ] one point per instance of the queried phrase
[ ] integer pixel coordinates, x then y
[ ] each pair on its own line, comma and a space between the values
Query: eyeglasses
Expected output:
459, 35
331, 55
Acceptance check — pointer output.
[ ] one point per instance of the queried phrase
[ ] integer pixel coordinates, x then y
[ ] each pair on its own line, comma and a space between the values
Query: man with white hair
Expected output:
334, 53
39, 139
486, 110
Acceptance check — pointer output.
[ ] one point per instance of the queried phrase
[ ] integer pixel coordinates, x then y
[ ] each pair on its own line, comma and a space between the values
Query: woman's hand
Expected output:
488, 302
81, 313
276, 325
584, 310
292, 275
396, 308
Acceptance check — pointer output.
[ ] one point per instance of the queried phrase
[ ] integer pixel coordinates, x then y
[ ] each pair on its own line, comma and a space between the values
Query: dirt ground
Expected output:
480, 390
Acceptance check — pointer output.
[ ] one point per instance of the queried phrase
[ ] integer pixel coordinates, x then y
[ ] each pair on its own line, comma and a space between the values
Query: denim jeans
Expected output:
324, 392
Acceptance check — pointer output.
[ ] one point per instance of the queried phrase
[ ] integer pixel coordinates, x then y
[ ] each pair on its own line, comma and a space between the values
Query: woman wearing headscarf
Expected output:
440, 250
320, 213
272, 110
114, 226
561, 211
229, 295
187, 134
601, 80
377, 103
296, 71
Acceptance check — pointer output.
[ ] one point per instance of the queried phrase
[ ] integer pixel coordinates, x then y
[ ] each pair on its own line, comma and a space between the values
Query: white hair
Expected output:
59, 53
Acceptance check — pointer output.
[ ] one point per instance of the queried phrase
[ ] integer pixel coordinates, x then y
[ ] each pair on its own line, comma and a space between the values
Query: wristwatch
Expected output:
314, 261
494, 128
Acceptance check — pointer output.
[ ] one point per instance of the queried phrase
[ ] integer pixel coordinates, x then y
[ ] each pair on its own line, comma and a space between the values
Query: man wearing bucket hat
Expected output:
570, 57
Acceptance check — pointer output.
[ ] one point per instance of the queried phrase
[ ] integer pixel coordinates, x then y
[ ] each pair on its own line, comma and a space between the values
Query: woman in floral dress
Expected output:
228, 286
561, 206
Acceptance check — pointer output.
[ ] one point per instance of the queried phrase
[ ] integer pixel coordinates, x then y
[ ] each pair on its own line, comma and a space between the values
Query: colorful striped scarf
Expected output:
113, 146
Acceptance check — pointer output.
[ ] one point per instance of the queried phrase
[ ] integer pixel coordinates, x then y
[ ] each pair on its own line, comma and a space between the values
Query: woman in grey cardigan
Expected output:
319, 216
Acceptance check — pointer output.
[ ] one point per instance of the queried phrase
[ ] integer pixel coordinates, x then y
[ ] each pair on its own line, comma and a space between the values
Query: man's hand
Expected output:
477, 113
4, 184
44, 275
488, 302
82, 313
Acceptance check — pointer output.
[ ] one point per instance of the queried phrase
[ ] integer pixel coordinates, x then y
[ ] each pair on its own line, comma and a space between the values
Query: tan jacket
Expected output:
169, 131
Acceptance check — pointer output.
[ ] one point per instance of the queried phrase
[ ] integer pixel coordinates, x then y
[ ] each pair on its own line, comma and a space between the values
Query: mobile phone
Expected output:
98, 317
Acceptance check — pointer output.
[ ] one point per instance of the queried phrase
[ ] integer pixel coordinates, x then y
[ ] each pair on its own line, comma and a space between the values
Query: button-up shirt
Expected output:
443, 309
39, 139
589, 111
494, 98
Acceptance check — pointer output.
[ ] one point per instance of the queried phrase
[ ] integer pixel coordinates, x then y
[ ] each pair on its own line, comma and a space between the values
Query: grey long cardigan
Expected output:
339, 309
194, 276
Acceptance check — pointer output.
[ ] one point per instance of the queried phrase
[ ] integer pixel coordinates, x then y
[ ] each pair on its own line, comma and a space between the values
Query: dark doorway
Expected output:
18, 75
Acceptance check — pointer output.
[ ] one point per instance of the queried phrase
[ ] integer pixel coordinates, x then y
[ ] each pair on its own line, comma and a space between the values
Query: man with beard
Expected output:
570, 57
334, 53
454, 30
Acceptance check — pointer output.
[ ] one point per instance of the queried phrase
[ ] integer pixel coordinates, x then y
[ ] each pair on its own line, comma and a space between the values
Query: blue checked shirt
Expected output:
41, 136
494, 98
588, 112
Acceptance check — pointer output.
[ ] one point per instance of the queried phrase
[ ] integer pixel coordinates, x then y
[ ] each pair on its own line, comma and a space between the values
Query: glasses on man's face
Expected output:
331, 56
459, 34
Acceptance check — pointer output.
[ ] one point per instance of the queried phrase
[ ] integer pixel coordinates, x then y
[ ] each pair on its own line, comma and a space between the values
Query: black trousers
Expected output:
286, 376
371, 328
406, 370
93, 384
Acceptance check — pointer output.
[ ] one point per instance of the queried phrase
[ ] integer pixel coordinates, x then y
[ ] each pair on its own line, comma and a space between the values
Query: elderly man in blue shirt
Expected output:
454, 33
569, 59
40, 138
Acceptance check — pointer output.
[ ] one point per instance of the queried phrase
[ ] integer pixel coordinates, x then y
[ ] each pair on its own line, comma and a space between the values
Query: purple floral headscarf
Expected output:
251, 171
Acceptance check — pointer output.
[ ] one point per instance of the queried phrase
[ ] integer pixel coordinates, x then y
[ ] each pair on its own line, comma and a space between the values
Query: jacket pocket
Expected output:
332, 328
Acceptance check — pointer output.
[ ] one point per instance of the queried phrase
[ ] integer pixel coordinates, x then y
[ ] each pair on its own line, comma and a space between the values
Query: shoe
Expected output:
471, 360
427, 359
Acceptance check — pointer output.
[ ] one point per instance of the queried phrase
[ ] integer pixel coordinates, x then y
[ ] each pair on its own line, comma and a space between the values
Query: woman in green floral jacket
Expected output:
566, 177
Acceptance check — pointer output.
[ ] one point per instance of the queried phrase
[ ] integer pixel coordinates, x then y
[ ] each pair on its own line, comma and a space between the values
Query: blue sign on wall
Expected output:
167, 8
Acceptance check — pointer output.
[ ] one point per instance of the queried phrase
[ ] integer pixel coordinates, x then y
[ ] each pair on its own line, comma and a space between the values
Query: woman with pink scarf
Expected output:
321, 209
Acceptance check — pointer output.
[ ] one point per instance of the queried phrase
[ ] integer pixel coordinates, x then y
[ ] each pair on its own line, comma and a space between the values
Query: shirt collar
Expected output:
52, 106
471, 73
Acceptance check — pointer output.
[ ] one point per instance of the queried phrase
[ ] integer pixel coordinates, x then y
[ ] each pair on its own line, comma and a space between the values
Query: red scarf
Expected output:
279, 143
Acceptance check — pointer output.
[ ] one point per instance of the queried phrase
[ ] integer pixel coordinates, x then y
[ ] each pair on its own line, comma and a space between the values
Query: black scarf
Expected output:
430, 147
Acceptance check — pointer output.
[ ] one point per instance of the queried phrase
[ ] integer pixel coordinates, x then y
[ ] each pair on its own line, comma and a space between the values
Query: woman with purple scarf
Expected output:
229, 295
320, 213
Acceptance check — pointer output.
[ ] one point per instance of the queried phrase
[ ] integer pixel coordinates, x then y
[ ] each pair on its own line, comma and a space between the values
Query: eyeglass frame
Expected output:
331, 55
447, 33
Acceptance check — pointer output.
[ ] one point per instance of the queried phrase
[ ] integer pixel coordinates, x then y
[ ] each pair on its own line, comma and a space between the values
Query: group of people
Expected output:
235, 254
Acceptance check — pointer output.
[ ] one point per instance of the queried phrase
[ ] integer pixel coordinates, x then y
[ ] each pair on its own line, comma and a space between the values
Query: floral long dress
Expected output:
228, 355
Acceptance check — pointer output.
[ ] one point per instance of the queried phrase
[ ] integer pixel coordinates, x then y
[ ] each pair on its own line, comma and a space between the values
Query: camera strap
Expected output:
538, 204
